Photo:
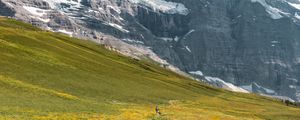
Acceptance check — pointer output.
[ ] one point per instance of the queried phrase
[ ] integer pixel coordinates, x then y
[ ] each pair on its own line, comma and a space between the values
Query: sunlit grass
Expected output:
9, 82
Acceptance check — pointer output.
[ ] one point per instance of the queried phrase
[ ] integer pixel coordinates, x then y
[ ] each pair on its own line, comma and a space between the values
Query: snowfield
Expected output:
35, 11
53, 3
225, 85
274, 12
163, 6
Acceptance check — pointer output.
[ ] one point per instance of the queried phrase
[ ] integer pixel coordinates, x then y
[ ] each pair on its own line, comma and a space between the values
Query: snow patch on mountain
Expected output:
295, 5
297, 16
163, 6
35, 11
188, 49
275, 13
133, 41
116, 9
215, 81
225, 85
254, 87
166, 39
65, 32
199, 73
54, 3
119, 27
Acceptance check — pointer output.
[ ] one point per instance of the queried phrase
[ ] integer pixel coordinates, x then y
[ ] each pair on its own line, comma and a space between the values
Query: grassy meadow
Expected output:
50, 76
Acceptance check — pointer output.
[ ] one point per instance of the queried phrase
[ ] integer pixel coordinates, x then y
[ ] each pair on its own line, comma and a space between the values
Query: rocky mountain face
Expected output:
252, 44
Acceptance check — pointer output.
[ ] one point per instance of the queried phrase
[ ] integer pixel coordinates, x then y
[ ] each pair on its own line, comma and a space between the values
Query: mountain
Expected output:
236, 44
46, 75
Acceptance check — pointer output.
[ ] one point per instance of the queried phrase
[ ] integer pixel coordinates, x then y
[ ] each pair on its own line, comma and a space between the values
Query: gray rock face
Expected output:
97, 20
241, 43
253, 44
6, 11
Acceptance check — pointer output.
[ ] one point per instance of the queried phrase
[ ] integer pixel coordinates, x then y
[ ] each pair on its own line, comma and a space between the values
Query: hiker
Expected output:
157, 110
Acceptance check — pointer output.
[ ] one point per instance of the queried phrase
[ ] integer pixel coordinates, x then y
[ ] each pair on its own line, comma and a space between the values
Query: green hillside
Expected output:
45, 75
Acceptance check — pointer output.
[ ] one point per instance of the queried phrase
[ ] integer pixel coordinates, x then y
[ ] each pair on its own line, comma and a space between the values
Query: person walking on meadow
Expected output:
157, 110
